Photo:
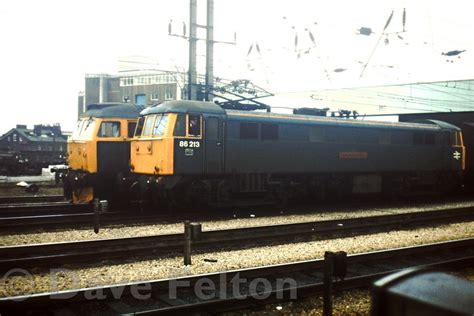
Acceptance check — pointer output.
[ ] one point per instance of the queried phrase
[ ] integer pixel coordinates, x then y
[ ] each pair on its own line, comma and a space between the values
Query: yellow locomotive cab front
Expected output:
81, 146
99, 152
152, 150
81, 160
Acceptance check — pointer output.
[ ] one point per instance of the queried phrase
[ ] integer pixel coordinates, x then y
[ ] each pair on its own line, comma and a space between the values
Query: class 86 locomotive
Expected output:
99, 152
193, 151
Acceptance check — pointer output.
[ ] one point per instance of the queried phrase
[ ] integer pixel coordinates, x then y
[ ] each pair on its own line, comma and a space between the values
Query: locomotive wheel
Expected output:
224, 191
196, 193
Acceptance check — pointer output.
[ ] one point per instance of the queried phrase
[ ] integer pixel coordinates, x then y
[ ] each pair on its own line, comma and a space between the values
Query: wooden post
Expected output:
328, 272
96, 215
187, 243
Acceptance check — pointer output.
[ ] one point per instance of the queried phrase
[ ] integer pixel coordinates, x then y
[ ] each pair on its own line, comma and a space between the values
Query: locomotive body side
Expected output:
302, 145
463, 120
205, 151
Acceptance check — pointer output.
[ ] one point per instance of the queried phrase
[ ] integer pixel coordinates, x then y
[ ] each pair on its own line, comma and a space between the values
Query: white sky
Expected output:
48, 46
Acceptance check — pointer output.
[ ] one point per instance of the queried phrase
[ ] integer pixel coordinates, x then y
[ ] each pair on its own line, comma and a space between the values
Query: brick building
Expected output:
138, 87
44, 144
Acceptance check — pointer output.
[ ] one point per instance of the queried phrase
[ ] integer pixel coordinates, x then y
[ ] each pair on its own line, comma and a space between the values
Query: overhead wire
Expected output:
385, 98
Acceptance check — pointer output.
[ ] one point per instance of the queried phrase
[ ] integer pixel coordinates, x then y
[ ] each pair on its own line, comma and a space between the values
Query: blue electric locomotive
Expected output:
191, 150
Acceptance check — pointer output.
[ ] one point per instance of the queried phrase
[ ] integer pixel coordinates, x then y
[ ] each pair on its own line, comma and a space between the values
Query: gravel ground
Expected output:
147, 230
46, 176
114, 273
355, 302
45, 188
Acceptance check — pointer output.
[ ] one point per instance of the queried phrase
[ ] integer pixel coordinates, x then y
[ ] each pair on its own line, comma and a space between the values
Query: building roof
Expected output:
112, 110
40, 133
184, 106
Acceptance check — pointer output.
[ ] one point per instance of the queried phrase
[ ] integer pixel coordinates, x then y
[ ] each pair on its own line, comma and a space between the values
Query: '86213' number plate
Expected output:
189, 144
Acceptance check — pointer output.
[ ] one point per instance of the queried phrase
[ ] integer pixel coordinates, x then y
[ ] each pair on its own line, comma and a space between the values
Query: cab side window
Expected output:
139, 129
109, 129
131, 129
148, 125
248, 131
180, 127
160, 125
269, 132
459, 141
212, 128
194, 125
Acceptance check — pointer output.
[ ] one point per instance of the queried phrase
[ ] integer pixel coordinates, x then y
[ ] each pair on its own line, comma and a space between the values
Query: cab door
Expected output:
213, 137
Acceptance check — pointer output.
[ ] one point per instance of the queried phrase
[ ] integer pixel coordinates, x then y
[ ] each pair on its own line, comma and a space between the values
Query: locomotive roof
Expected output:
184, 106
187, 106
334, 121
112, 110
442, 124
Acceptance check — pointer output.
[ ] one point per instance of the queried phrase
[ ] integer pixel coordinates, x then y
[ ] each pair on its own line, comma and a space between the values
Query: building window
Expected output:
248, 130
168, 94
9, 139
14, 137
155, 96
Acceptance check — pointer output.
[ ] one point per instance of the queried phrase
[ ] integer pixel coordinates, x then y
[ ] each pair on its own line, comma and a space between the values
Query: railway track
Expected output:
55, 254
220, 291
27, 217
31, 199
77, 217
62, 215
19, 210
